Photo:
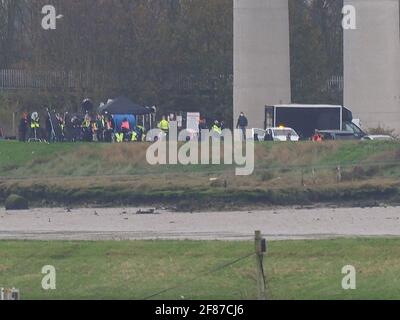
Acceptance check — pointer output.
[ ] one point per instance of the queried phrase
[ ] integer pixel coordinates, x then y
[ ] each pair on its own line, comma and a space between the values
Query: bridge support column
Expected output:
372, 64
261, 57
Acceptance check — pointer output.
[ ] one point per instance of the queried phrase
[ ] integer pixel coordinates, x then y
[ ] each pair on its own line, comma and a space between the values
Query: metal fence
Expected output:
25, 79
332, 84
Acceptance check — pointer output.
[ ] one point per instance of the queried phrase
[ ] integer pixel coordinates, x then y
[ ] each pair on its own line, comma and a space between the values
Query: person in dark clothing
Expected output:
100, 127
76, 129
202, 126
68, 127
23, 127
242, 124
109, 128
49, 129
87, 129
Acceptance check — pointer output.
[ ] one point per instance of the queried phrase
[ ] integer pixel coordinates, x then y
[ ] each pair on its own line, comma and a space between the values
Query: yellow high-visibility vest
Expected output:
119, 137
217, 129
35, 125
164, 125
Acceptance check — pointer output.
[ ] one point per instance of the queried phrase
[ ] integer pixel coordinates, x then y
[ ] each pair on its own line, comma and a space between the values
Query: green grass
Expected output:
135, 270
75, 174
361, 152
15, 155
65, 159
24, 160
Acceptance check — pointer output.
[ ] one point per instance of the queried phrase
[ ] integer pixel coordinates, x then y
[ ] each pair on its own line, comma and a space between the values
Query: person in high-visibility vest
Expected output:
35, 121
35, 127
86, 122
87, 129
134, 137
216, 128
119, 137
61, 122
141, 133
35, 124
164, 124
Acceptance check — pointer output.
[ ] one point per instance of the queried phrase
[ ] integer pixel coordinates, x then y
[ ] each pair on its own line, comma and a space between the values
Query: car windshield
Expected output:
259, 131
351, 127
285, 132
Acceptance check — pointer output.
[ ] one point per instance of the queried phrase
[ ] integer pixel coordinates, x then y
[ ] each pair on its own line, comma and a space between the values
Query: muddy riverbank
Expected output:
133, 224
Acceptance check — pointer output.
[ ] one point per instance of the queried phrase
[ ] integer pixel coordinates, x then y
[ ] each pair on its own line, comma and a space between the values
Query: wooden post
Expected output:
339, 174
314, 175
260, 266
14, 131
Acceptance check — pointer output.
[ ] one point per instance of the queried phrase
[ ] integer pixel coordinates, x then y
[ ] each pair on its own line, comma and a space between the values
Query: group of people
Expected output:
126, 132
29, 127
94, 127
216, 127
74, 128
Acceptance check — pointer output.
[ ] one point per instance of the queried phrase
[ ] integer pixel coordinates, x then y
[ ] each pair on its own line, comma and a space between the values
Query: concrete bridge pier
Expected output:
371, 60
372, 64
261, 57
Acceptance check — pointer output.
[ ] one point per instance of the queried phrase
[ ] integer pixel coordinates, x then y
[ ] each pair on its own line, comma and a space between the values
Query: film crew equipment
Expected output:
34, 128
87, 106
53, 136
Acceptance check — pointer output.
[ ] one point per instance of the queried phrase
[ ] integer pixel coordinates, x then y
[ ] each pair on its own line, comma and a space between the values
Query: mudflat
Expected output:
140, 224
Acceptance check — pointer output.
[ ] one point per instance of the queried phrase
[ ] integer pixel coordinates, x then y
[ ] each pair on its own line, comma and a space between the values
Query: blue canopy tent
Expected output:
119, 118
122, 108
123, 105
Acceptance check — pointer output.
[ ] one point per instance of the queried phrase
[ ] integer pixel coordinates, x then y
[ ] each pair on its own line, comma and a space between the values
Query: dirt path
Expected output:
123, 224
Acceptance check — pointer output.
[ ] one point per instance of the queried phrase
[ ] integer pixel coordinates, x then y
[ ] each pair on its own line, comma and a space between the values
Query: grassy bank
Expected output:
135, 270
208, 197
285, 174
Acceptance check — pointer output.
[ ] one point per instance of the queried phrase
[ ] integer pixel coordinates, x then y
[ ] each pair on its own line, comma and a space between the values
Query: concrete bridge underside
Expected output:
371, 60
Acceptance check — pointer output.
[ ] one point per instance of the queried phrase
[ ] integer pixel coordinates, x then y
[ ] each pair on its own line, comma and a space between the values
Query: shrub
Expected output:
267, 176
383, 131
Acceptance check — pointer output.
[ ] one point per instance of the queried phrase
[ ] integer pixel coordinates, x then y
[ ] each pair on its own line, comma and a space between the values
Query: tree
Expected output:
316, 50
11, 25
176, 54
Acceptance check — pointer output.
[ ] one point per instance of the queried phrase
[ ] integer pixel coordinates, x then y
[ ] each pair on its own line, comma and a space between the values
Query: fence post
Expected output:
339, 174
14, 127
314, 176
260, 244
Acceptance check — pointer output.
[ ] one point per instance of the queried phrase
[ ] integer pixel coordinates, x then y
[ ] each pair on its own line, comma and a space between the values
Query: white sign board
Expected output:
193, 120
